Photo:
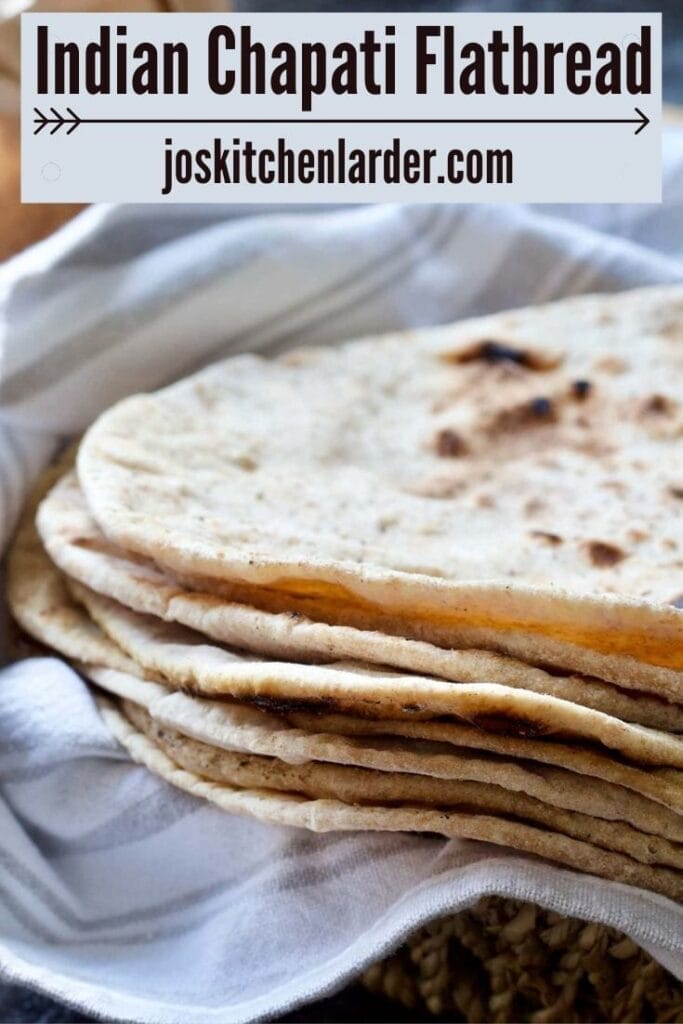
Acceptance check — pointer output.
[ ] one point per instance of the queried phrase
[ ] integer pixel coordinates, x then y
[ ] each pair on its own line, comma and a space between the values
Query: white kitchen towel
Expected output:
117, 893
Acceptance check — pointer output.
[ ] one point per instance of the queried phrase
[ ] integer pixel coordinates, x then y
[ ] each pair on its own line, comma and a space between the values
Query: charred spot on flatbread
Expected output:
287, 705
510, 725
581, 389
448, 443
603, 554
553, 539
492, 352
657, 405
538, 411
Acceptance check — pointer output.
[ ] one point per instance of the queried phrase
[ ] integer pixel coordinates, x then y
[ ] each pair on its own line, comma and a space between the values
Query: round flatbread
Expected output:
78, 547
512, 474
41, 602
184, 660
325, 815
241, 729
353, 785
662, 785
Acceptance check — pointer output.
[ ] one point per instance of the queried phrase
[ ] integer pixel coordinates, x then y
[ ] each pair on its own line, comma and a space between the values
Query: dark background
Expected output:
354, 1004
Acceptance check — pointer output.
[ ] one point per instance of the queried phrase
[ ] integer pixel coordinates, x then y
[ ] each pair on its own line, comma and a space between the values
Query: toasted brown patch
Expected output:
490, 351
486, 501
581, 389
534, 506
539, 411
508, 725
449, 444
246, 463
657, 405
638, 536
603, 554
548, 538
616, 486
287, 705
611, 364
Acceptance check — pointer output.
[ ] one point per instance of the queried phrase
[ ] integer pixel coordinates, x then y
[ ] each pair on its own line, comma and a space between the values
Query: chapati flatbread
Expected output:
79, 548
46, 610
37, 596
183, 659
333, 815
241, 729
352, 785
515, 473
49, 614
660, 784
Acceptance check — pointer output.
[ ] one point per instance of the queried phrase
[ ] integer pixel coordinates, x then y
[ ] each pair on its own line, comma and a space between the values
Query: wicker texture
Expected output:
503, 960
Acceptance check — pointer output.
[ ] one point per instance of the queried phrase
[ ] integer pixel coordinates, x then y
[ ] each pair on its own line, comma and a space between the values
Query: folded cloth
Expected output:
118, 893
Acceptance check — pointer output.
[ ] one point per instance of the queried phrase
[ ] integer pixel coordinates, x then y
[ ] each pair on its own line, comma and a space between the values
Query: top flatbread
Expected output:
516, 472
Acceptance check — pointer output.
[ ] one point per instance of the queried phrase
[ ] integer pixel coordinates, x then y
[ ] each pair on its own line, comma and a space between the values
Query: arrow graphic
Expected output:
644, 120
57, 121
71, 121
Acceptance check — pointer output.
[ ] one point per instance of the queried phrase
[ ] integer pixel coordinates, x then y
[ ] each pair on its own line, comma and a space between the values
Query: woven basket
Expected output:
503, 961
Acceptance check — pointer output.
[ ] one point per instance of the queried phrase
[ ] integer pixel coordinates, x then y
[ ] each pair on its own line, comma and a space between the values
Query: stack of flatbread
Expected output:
427, 582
